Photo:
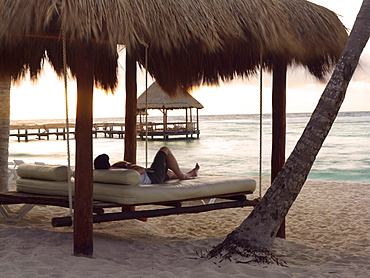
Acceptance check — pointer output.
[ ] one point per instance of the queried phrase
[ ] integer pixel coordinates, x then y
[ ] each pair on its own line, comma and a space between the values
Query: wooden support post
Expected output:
278, 124
131, 110
198, 131
191, 122
83, 208
165, 136
186, 122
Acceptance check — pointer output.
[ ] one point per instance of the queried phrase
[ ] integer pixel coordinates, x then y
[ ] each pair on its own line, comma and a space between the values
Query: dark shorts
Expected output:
158, 170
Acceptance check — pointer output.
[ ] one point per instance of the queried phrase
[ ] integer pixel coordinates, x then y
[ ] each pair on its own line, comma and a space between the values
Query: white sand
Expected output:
328, 235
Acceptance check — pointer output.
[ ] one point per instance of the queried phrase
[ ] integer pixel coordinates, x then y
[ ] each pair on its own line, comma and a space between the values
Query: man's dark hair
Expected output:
102, 162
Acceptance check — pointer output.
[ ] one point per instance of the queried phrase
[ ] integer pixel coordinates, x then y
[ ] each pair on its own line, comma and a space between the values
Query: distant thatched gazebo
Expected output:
156, 99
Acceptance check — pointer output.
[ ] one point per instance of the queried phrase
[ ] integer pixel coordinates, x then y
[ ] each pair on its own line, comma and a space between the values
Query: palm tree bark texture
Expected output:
254, 237
4, 129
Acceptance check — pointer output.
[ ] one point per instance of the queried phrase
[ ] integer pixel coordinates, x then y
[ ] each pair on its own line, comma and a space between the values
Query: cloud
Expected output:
363, 69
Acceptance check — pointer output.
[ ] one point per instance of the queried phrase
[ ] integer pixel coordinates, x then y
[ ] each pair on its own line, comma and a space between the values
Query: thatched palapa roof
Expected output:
189, 42
294, 31
158, 99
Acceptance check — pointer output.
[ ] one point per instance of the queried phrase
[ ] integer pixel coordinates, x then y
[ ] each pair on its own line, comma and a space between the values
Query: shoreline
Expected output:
327, 236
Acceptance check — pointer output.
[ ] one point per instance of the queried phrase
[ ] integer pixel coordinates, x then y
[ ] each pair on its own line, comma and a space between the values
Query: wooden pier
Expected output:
108, 130
164, 131
59, 130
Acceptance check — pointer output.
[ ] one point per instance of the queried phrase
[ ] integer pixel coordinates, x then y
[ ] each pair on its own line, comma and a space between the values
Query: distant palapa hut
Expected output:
156, 99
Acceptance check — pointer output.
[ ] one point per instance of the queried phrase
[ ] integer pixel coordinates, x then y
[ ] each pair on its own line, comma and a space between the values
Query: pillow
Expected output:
43, 172
117, 176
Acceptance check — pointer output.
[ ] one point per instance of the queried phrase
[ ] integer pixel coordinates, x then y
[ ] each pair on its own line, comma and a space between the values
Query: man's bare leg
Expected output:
174, 166
191, 174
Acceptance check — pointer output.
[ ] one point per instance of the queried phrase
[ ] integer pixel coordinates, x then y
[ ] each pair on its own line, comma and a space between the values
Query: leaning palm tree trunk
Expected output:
256, 234
4, 129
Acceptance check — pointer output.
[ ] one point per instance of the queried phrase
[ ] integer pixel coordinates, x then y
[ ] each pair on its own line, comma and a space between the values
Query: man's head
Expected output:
101, 162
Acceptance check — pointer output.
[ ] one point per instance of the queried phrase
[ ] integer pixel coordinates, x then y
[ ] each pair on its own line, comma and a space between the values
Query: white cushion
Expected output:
117, 176
174, 190
44, 187
43, 172
202, 186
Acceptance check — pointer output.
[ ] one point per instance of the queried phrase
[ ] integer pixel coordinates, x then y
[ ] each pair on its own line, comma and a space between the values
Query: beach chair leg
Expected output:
10, 175
7, 208
211, 201
6, 212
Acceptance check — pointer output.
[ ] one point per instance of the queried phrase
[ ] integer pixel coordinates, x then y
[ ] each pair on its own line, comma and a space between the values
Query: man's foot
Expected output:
193, 173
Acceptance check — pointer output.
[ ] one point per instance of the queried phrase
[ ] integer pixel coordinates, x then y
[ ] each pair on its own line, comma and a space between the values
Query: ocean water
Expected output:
229, 144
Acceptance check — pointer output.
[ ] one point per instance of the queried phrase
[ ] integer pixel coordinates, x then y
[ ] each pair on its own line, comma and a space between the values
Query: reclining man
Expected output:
163, 168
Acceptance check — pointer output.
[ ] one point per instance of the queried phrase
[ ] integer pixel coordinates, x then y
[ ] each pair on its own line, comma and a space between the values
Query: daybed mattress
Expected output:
174, 190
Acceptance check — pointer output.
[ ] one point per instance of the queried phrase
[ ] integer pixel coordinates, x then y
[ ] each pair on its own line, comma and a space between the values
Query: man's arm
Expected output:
138, 168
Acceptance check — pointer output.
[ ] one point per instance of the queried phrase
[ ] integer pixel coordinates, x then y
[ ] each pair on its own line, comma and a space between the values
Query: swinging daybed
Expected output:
48, 185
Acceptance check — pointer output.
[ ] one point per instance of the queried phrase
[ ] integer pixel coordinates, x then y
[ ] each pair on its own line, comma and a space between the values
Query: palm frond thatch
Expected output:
189, 42
297, 32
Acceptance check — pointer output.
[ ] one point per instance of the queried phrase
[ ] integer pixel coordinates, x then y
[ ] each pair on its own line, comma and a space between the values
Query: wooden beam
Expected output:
278, 124
131, 111
197, 123
165, 136
83, 225
116, 216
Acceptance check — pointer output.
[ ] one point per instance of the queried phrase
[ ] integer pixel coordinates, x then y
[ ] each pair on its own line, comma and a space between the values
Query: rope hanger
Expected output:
146, 106
65, 78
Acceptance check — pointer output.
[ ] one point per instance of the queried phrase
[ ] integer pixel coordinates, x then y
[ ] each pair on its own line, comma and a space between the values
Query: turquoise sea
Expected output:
229, 144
